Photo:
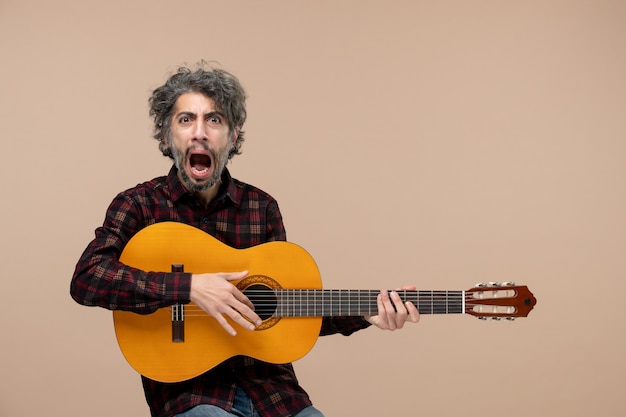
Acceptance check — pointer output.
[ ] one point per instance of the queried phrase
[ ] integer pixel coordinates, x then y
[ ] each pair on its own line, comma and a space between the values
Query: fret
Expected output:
307, 304
297, 299
280, 307
319, 303
355, 298
366, 305
439, 302
335, 309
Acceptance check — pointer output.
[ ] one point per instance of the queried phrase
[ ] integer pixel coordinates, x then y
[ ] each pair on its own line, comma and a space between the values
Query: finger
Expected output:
225, 324
238, 318
240, 296
401, 312
241, 302
379, 318
387, 313
414, 314
234, 276
246, 309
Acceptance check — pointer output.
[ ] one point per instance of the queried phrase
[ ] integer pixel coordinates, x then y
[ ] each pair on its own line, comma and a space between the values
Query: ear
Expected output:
165, 148
235, 135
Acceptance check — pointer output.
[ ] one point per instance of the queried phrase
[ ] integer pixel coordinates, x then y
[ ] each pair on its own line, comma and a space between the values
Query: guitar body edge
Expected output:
146, 340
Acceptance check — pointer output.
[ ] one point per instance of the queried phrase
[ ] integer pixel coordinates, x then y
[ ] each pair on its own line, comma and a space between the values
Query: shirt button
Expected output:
205, 220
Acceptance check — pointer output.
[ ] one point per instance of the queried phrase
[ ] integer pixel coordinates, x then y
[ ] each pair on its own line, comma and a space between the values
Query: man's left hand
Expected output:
390, 318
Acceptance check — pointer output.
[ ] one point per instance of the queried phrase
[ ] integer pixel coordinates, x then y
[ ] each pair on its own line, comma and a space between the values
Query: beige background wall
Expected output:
439, 143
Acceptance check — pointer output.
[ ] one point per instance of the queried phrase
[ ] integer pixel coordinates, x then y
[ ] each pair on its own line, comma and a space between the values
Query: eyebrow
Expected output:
194, 115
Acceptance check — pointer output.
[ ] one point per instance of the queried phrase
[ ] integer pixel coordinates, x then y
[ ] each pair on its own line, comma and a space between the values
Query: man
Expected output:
198, 120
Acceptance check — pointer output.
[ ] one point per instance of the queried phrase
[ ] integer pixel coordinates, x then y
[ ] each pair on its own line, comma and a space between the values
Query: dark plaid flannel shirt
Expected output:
240, 216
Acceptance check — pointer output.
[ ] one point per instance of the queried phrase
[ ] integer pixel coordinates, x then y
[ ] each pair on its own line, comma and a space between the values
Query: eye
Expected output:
184, 119
214, 119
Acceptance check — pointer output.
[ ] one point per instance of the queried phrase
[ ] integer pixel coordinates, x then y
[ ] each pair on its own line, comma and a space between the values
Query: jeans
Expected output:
241, 408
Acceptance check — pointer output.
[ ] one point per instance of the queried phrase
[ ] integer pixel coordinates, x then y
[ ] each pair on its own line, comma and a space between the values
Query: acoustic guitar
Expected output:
182, 341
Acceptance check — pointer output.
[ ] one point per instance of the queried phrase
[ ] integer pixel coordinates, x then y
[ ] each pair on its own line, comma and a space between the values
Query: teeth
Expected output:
200, 171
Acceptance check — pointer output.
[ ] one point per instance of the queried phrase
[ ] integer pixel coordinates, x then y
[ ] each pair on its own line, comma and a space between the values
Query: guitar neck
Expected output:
332, 303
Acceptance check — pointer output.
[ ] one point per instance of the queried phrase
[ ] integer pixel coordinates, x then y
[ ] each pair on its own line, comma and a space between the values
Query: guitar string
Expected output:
293, 305
304, 295
272, 299
302, 300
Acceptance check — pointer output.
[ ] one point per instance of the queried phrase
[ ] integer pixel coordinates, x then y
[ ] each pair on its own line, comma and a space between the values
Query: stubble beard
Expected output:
220, 160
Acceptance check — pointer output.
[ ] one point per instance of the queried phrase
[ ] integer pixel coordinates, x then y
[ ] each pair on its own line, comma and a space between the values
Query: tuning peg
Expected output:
510, 318
496, 318
482, 318
495, 284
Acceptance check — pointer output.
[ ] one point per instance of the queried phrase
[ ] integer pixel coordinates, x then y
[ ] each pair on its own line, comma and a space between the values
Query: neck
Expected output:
205, 196
209, 194
334, 303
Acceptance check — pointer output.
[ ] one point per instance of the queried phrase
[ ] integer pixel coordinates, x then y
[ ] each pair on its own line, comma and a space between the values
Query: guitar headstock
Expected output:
499, 300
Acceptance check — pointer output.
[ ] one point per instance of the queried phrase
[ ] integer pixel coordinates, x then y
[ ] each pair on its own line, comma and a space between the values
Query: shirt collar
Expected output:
228, 189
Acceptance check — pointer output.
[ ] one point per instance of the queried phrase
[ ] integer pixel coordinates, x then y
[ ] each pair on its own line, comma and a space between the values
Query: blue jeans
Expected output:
241, 408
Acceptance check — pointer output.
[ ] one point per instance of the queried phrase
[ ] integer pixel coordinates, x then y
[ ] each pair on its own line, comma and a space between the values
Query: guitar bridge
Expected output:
178, 323
178, 314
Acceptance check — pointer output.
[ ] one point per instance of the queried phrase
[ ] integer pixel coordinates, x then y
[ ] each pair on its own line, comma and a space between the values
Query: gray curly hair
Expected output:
219, 85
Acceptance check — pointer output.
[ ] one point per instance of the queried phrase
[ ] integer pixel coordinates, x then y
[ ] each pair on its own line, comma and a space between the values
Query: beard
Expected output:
218, 159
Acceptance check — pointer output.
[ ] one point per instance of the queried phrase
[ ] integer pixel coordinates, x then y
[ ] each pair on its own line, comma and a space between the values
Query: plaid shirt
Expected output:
240, 216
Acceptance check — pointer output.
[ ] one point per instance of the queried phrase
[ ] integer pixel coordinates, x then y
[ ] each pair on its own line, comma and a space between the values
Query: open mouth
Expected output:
200, 164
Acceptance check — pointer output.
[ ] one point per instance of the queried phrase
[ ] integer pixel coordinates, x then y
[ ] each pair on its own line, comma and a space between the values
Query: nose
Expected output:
199, 130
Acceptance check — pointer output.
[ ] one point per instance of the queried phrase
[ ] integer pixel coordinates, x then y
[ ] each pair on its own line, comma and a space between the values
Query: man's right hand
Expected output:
215, 294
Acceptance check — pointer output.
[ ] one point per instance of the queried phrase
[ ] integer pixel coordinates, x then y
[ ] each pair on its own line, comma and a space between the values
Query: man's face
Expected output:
200, 141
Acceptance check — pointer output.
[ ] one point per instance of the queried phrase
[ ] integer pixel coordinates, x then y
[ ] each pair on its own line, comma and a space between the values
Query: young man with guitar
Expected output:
198, 119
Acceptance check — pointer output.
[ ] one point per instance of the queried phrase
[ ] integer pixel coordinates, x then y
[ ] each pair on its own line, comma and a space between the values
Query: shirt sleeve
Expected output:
100, 279
275, 228
343, 325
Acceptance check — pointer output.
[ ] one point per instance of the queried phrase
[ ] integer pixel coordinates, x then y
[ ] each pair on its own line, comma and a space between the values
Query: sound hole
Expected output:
263, 298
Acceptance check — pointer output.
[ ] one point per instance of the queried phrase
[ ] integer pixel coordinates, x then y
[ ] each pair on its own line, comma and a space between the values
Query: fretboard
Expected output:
326, 303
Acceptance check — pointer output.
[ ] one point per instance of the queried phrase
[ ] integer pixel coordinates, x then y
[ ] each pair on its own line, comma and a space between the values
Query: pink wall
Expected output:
436, 143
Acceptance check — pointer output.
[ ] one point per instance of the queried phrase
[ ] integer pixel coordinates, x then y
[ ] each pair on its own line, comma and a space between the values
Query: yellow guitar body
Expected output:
146, 340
